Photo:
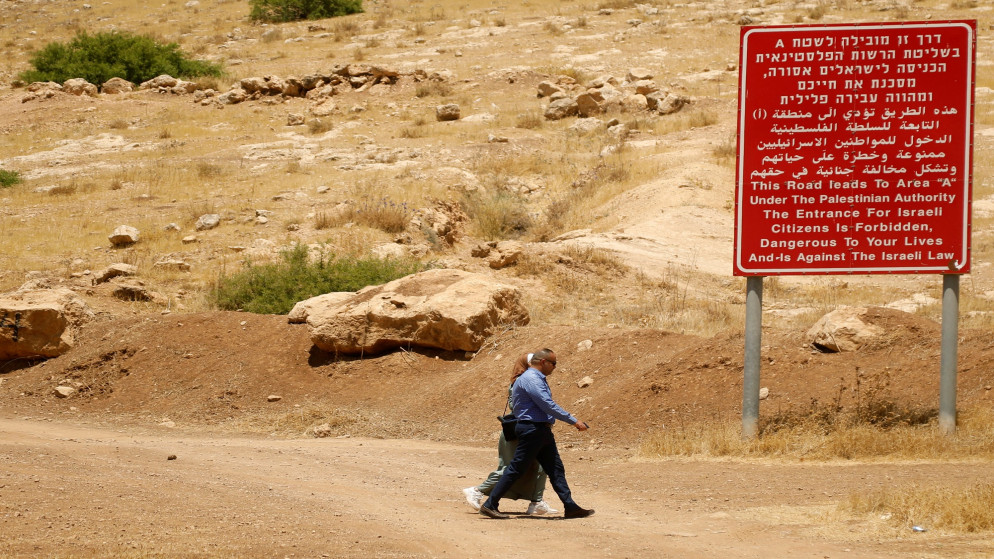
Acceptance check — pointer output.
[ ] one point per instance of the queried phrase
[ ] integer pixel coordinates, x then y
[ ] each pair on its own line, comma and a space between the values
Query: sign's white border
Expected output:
968, 179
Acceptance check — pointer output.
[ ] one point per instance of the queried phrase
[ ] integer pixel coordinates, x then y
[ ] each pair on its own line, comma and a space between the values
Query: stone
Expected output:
547, 89
113, 271
294, 119
506, 253
584, 345
584, 382
842, 330
64, 391
561, 108
132, 290
164, 81
207, 221
116, 86
298, 314
482, 250
322, 431
645, 87
273, 398
447, 112
40, 322
123, 235
671, 103
443, 309
764, 393
638, 74
79, 86
587, 104
233, 96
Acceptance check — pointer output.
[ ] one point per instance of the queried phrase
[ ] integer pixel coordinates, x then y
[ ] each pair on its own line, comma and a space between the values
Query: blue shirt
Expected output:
532, 400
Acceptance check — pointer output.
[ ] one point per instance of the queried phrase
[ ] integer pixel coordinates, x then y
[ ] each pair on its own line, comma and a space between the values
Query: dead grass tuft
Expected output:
969, 509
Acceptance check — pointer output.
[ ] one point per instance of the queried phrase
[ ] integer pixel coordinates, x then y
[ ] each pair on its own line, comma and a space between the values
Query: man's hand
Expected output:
581, 426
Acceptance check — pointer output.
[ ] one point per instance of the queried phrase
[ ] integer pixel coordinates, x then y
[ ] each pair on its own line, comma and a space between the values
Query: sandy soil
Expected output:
90, 475
90, 490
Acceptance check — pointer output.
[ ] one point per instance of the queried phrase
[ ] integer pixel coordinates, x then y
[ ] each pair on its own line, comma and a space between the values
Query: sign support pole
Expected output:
753, 346
950, 341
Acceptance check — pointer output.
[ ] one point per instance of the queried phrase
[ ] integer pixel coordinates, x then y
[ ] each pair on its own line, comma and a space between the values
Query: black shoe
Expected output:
492, 513
576, 513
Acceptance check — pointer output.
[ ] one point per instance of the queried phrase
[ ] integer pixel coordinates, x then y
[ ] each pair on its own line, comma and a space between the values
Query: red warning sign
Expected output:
855, 148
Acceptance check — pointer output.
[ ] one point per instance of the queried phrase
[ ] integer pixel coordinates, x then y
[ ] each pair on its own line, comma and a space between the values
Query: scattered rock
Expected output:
79, 86
113, 271
123, 235
447, 112
505, 253
322, 431
207, 221
116, 86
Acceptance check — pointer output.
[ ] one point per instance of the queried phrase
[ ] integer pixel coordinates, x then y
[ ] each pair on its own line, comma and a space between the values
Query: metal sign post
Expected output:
855, 156
753, 350
947, 360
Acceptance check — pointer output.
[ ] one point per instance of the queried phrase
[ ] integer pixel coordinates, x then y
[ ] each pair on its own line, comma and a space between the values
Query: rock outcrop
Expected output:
40, 322
442, 309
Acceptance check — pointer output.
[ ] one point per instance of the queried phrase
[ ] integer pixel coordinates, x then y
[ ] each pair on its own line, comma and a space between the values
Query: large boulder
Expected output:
40, 323
299, 313
444, 309
844, 329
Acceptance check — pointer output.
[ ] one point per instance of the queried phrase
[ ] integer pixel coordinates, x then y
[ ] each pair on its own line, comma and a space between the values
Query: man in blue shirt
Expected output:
536, 411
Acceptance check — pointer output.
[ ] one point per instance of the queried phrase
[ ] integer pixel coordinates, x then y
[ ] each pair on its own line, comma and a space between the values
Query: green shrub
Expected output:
295, 10
9, 178
102, 56
275, 288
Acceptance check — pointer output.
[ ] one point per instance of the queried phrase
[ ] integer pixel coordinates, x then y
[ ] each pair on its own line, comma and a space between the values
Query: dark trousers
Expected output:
535, 442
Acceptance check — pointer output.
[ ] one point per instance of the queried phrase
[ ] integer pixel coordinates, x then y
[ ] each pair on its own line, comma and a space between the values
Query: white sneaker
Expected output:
473, 497
540, 507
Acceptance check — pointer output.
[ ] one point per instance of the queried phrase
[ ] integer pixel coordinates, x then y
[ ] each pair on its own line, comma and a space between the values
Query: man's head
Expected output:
545, 361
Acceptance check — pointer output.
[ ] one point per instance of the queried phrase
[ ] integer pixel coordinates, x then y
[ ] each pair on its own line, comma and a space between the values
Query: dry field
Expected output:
628, 239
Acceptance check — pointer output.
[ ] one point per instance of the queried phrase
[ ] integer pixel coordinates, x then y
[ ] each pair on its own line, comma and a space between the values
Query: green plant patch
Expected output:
276, 11
102, 56
9, 178
275, 288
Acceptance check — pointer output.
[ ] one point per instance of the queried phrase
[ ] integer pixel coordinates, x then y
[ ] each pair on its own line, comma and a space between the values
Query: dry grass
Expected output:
191, 155
960, 509
830, 434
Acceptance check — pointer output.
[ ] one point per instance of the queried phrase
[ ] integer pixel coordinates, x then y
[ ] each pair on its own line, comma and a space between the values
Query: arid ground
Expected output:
192, 430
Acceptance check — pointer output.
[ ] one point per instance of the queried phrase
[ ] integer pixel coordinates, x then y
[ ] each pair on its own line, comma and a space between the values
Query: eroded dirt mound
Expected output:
220, 369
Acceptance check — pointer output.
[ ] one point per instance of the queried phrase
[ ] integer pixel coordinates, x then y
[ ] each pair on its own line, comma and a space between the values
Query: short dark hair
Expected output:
542, 354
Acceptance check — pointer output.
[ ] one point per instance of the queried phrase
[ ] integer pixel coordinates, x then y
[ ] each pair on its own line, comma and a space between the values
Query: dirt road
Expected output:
92, 490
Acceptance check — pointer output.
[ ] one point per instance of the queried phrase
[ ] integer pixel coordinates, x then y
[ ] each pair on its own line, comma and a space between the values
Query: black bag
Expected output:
508, 423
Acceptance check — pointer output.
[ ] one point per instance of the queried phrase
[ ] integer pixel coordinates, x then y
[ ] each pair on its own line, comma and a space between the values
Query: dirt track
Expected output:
71, 490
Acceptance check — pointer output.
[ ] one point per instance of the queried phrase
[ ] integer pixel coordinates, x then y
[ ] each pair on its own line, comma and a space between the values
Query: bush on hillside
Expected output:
9, 178
102, 56
277, 11
276, 288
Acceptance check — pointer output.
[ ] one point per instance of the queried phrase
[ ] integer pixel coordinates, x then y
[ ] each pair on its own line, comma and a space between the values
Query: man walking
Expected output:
536, 411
